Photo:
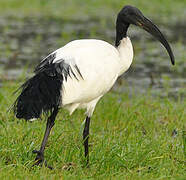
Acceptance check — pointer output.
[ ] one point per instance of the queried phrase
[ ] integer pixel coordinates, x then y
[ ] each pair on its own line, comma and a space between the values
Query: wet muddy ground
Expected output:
25, 41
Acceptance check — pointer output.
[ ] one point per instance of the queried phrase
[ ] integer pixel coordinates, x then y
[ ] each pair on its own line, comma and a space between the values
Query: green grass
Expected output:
92, 8
131, 137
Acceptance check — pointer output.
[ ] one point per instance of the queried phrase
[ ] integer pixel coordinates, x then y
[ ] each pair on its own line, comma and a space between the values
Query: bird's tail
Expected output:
41, 93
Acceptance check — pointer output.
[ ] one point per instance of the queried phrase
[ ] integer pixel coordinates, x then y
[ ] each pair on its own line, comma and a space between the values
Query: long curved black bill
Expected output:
148, 26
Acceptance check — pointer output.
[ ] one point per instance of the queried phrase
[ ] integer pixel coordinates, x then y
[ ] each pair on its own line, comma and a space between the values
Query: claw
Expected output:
39, 160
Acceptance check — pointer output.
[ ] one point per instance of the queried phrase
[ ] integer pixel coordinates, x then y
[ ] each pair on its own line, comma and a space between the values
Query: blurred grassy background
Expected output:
92, 8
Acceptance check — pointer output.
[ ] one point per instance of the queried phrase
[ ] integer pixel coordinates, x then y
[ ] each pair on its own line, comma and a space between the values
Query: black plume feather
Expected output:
41, 93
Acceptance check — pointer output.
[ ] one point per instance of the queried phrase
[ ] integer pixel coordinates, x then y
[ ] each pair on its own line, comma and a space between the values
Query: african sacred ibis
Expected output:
80, 73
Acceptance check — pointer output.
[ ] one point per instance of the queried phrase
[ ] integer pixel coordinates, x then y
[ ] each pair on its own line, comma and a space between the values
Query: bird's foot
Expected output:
39, 160
87, 164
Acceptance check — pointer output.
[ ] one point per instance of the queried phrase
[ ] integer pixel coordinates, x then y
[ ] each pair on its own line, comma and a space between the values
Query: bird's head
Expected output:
131, 15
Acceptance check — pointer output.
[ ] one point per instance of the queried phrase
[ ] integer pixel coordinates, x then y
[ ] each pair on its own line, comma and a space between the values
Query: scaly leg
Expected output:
85, 138
40, 154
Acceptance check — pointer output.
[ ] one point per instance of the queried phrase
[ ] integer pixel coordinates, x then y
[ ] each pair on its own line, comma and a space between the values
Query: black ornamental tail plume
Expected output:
42, 92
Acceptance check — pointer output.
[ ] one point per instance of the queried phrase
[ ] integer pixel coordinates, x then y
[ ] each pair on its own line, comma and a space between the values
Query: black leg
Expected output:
85, 138
40, 154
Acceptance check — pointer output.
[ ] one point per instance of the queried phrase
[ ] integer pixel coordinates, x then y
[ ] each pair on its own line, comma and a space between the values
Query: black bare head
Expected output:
131, 15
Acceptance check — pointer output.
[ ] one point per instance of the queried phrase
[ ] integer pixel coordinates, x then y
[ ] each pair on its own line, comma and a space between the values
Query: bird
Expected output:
78, 75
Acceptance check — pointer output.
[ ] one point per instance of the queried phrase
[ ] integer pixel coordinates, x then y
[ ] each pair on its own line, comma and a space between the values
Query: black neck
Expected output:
121, 30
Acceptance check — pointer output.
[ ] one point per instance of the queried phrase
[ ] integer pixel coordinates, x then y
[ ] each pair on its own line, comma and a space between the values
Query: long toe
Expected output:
39, 160
49, 167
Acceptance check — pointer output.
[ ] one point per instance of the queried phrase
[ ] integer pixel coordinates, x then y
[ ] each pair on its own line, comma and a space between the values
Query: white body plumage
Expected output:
100, 64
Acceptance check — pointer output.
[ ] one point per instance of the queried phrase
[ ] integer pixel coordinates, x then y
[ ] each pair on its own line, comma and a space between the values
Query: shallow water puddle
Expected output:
24, 42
